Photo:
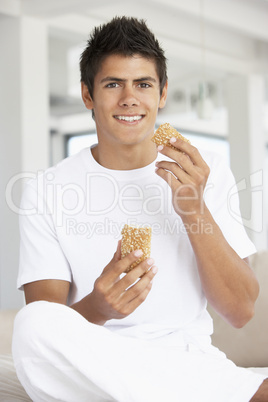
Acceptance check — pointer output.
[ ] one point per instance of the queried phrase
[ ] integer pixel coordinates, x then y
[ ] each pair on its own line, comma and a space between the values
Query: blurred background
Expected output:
217, 54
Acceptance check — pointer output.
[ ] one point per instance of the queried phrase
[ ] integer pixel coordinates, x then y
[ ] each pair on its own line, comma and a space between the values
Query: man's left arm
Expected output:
229, 283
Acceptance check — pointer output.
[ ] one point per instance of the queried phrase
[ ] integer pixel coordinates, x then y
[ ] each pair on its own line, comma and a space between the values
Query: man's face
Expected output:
126, 99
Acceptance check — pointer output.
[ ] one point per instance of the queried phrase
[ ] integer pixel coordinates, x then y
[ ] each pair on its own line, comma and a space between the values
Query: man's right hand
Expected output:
116, 296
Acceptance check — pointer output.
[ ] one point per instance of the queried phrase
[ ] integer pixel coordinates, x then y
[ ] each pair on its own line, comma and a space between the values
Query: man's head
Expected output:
123, 36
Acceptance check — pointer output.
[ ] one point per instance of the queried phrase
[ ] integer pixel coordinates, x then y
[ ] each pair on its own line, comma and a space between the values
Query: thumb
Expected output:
116, 257
117, 254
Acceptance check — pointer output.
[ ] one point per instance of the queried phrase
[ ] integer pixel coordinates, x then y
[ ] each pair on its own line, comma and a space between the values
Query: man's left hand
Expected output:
187, 175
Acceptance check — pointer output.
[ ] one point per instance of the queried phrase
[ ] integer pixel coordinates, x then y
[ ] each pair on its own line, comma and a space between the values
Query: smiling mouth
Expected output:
129, 118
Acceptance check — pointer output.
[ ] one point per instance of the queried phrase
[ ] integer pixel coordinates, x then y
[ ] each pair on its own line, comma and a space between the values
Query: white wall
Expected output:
10, 156
246, 134
24, 135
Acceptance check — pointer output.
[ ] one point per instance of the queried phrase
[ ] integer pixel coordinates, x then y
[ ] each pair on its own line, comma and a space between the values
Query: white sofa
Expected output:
247, 347
10, 387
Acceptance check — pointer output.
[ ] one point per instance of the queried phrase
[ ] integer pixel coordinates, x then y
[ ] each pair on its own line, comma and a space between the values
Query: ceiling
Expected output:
202, 38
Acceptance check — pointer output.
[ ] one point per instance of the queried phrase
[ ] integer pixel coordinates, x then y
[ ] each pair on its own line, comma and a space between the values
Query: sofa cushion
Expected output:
6, 329
10, 388
247, 346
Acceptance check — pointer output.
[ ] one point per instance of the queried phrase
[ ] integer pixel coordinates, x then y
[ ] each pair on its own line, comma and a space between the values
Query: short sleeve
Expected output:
41, 255
222, 199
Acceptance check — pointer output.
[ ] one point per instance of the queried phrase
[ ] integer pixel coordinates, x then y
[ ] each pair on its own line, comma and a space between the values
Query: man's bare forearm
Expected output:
228, 282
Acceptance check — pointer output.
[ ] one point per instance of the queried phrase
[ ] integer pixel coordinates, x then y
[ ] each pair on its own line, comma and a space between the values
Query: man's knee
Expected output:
31, 328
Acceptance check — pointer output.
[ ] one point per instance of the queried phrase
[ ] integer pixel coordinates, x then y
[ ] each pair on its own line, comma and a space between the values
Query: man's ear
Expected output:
88, 101
163, 96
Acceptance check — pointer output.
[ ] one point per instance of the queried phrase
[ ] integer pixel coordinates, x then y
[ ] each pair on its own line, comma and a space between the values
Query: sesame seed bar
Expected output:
134, 238
163, 134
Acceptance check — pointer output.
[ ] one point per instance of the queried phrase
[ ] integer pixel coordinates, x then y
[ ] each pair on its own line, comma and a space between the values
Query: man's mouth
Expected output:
129, 118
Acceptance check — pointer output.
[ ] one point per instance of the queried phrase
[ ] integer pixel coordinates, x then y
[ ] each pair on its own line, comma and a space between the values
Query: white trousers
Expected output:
60, 356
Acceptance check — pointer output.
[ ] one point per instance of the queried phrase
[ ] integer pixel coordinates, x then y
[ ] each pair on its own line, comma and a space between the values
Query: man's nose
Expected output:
129, 98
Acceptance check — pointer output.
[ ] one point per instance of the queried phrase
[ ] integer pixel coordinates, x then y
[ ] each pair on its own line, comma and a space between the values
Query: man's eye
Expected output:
145, 85
112, 85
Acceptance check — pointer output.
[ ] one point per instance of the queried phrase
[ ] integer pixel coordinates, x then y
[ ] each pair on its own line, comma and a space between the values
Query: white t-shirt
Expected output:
71, 220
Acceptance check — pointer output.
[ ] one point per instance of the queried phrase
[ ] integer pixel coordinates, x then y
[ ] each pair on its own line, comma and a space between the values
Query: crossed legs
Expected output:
60, 356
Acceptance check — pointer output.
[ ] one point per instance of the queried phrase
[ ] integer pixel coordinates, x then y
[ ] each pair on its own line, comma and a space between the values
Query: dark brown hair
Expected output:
125, 36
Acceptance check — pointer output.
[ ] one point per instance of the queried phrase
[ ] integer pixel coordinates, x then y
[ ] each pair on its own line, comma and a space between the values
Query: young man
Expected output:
89, 332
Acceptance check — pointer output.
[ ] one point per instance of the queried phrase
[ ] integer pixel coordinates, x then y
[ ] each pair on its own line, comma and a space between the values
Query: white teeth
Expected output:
129, 118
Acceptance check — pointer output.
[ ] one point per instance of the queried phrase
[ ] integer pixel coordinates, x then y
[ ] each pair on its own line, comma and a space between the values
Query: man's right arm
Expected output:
52, 290
113, 296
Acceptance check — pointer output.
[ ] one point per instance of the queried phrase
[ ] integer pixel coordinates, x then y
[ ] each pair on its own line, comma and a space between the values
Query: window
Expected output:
211, 143
77, 142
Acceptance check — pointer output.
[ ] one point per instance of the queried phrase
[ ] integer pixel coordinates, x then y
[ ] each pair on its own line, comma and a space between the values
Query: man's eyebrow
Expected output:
145, 79
106, 79
116, 79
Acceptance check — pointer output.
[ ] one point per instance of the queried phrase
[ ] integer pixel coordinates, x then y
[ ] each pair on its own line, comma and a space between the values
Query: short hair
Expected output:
125, 36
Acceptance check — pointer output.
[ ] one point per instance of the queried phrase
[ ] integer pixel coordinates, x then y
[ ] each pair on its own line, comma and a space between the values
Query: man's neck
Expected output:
125, 157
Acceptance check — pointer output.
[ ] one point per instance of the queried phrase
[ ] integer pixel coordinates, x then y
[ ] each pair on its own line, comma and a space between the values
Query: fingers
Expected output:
137, 300
188, 156
186, 173
188, 149
134, 281
116, 258
168, 177
145, 282
116, 296
140, 271
188, 167
132, 290
176, 169
118, 251
117, 266
119, 298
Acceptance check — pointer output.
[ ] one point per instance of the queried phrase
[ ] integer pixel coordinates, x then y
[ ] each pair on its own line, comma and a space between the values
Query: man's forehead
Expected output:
147, 78
123, 67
